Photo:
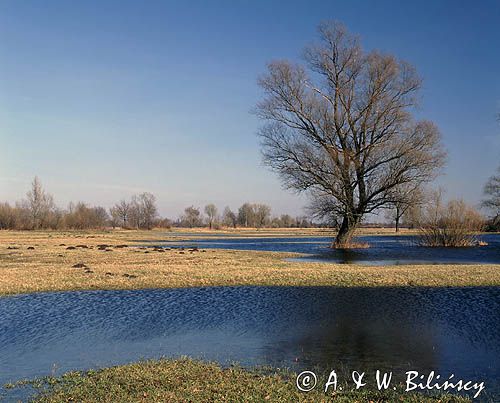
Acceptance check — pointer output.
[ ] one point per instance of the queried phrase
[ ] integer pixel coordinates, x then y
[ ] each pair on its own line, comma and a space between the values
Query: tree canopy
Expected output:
341, 127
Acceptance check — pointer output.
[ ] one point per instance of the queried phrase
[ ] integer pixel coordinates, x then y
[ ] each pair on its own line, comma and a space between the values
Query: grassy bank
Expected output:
186, 380
56, 261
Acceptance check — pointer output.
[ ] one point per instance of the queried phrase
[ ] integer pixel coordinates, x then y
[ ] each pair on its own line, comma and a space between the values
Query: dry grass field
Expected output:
56, 261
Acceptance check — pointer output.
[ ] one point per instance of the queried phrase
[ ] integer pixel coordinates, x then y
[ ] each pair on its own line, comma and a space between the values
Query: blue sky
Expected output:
103, 99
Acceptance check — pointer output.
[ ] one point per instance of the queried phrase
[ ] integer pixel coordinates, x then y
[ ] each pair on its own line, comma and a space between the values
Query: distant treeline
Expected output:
38, 211
429, 214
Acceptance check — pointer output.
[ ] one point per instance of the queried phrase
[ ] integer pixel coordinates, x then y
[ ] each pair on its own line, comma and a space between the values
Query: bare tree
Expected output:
405, 198
148, 209
349, 135
211, 212
81, 216
191, 217
246, 215
229, 218
120, 213
492, 200
100, 216
287, 221
254, 215
413, 215
39, 203
262, 213
134, 213
492, 194
143, 210
8, 216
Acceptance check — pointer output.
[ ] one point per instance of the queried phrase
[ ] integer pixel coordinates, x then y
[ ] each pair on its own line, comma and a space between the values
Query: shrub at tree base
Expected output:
352, 244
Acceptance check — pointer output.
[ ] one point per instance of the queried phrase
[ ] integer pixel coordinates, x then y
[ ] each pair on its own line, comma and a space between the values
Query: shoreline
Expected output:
185, 379
381, 287
83, 261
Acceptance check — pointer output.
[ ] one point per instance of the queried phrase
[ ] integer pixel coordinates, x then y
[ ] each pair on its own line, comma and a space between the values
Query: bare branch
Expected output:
342, 126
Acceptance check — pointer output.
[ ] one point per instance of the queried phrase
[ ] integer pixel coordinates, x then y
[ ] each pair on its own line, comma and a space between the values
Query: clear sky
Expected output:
103, 99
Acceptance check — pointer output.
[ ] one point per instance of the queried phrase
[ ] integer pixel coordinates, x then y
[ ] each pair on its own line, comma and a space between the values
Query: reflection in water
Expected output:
443, 329
383, 250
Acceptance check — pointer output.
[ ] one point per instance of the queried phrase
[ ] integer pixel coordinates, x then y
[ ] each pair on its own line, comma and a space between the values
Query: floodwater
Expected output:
448, 330
383, 250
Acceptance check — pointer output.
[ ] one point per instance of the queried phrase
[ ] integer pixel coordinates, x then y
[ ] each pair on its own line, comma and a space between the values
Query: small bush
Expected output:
454, 224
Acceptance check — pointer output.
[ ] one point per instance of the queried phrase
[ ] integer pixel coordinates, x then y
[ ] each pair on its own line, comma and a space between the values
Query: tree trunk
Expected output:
346, 232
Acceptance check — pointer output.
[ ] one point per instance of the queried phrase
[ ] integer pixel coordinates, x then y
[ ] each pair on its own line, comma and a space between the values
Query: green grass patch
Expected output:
186, 380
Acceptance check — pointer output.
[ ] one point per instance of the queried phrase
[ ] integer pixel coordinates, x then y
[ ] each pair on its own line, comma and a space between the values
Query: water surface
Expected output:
383, 250
450, 330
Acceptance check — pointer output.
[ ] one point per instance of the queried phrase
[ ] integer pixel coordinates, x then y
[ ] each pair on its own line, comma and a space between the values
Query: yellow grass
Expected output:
287, 232
48, 267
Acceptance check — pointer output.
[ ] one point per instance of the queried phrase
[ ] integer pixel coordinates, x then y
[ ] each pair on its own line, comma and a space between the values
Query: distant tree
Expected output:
254, 215
143, 211
287, 221
492, 194
134, 214
191, 217
303, 222
55, 218
211, 212
345, 129
23, 215
101, 216
491, 200
165, 223
262, 213
229, 218
8, 216
246, 215
81, 216
120, 213
412, 217
405, 197
39, 204
148, 209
